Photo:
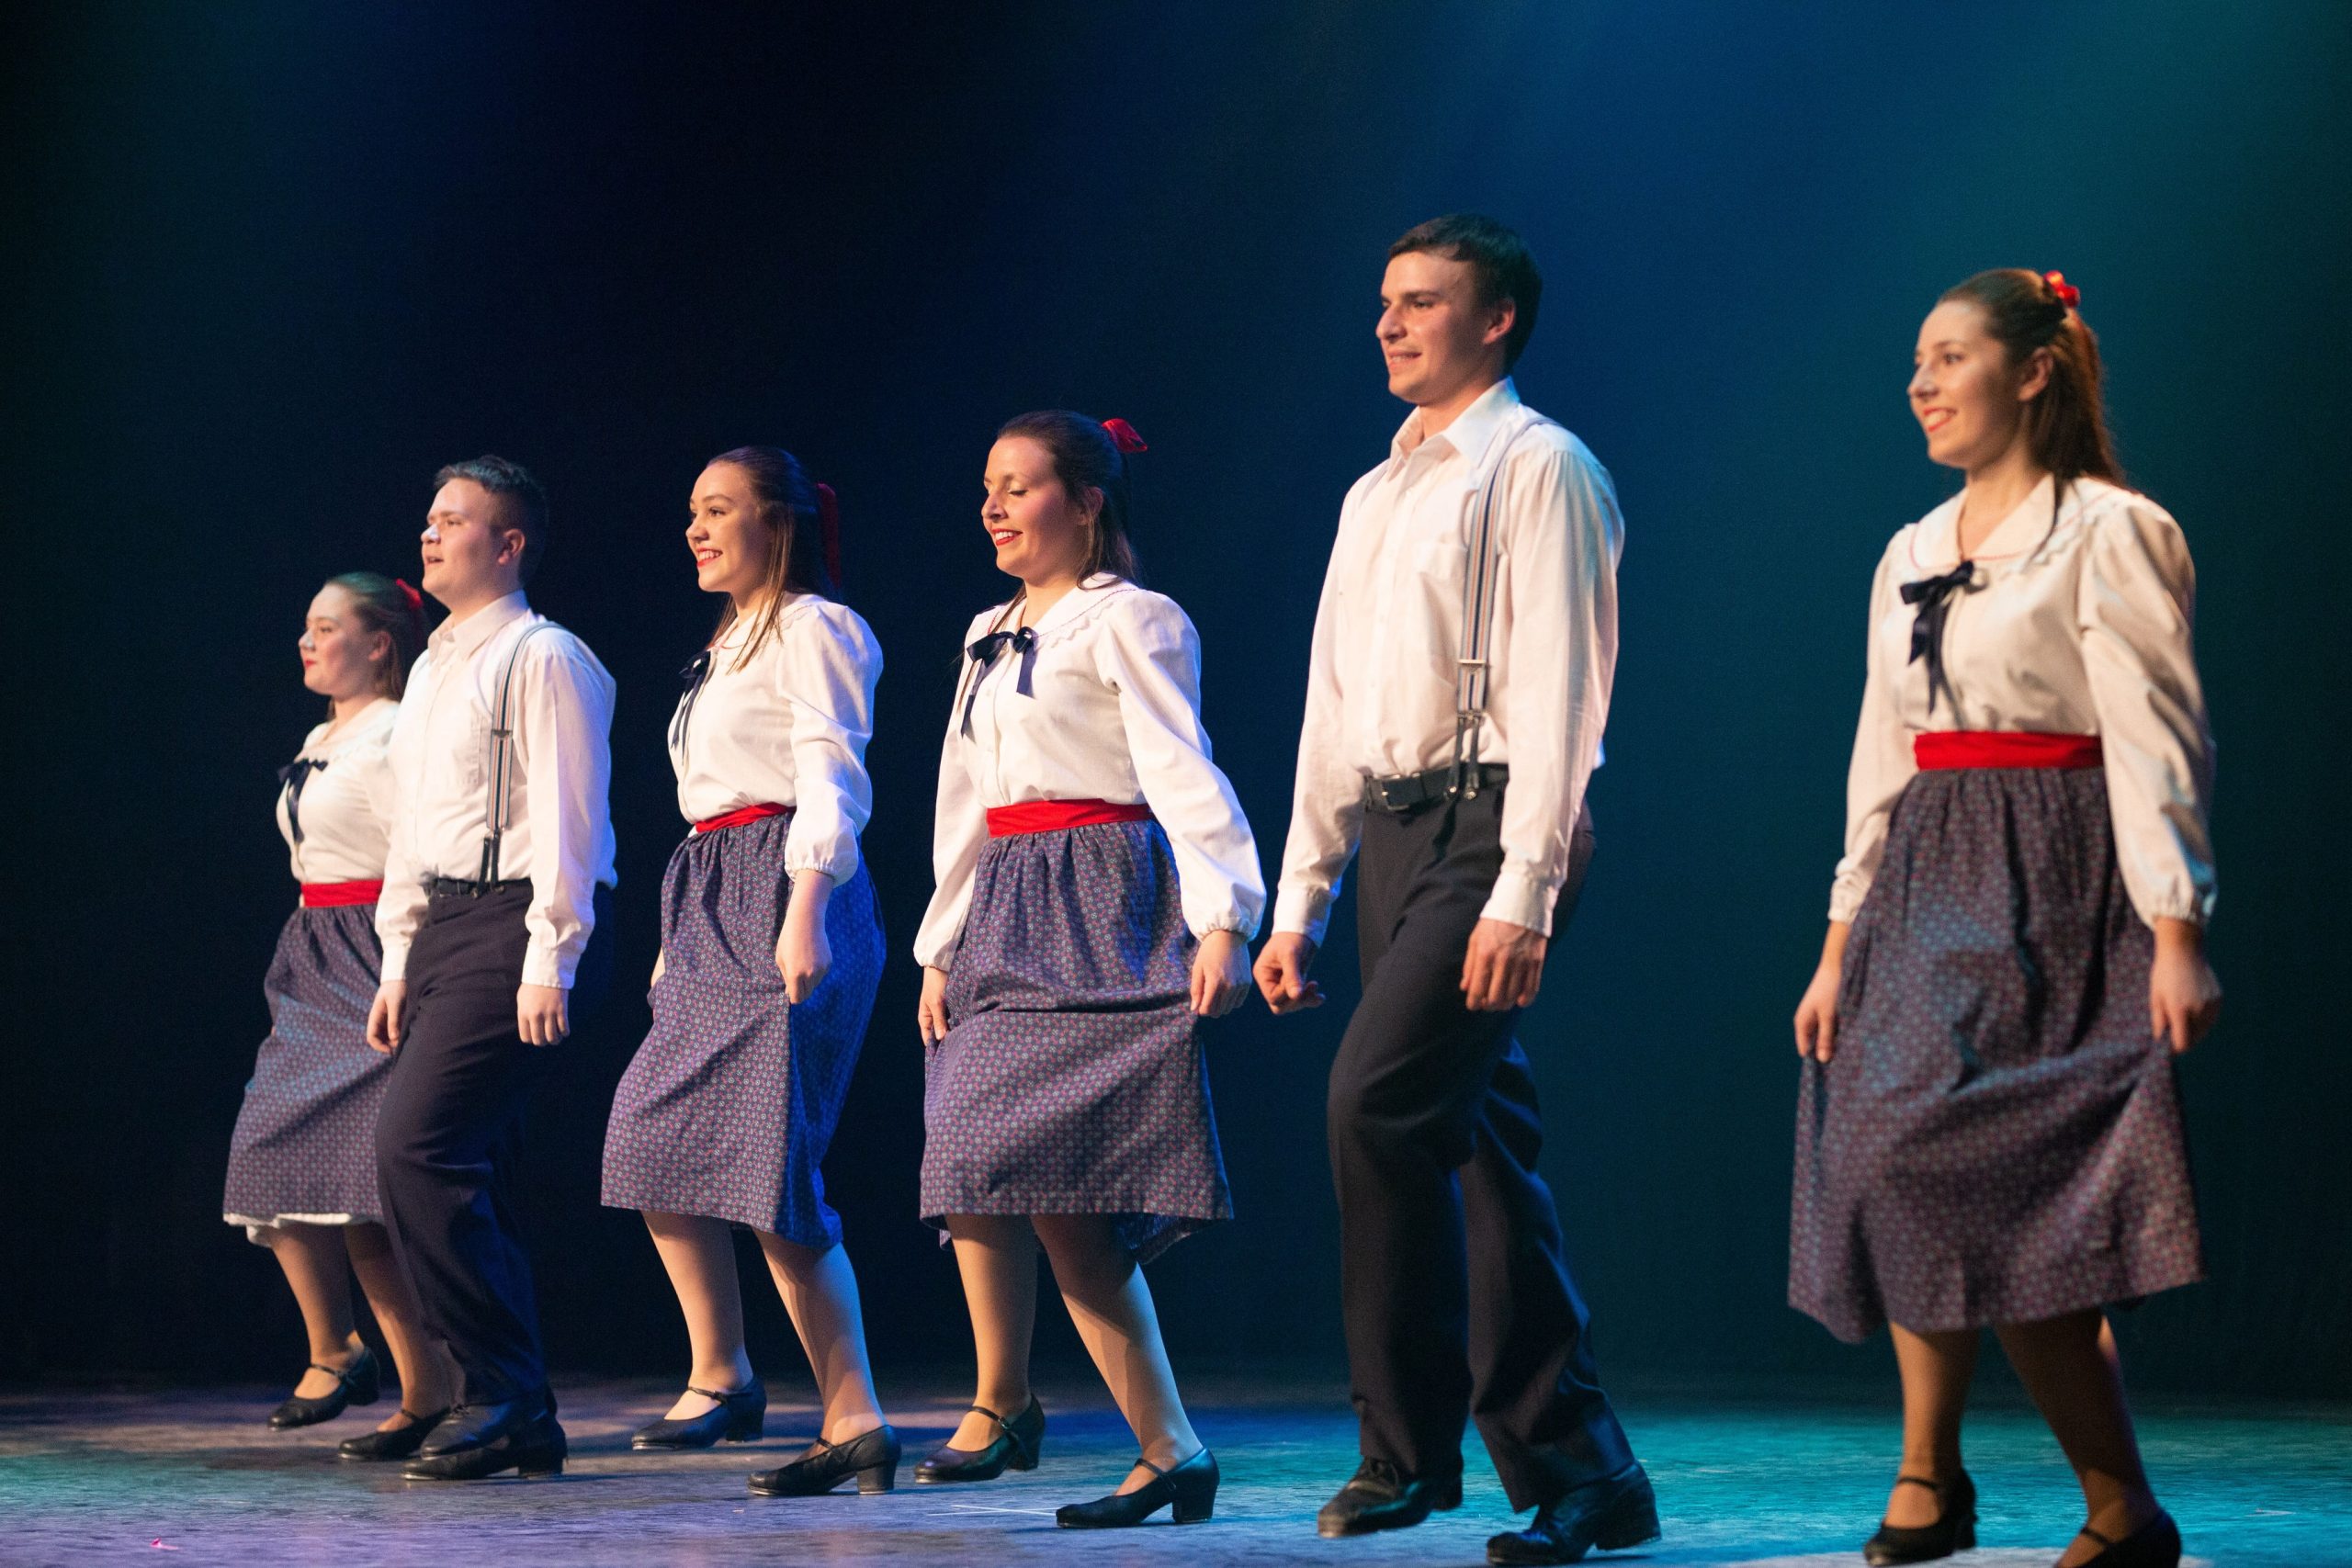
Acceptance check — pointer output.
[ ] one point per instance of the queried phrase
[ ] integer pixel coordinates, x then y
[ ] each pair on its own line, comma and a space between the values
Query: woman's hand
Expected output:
661, 961
803, 955
2184, 996
1220, 974
1817, 1009
930, 1012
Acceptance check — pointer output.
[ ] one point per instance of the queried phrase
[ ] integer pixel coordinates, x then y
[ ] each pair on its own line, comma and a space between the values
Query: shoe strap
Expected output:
340, 1374
1937, 1487
1149, 1466
984, 1410
2103, 1540
720, 1395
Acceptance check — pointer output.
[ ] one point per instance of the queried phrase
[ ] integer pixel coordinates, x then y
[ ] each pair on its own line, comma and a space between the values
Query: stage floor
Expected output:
1747, 1480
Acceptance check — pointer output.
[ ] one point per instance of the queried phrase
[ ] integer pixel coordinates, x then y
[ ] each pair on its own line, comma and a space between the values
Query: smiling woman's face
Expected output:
1040, 531
1968, 398
728, 533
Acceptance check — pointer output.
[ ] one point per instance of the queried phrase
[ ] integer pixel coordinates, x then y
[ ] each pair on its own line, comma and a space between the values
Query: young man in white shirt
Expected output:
1463, 655
491, 920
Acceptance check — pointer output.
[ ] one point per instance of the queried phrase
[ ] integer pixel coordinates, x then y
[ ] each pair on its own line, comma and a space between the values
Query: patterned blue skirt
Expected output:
1997, 1137
305, 1144
728, 1108
1072, 1079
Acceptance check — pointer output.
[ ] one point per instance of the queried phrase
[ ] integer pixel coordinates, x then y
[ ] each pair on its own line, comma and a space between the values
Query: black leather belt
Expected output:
1398, 796
457, 887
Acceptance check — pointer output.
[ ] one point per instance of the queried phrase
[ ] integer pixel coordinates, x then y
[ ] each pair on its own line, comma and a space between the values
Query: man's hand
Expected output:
539, 1014
1504, 966
387, 1016
1281, 973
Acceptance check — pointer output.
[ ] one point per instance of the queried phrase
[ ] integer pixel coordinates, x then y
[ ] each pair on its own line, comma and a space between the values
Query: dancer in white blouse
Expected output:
1097, 888
502, 854
771, 952
302, 1161
1989, 1131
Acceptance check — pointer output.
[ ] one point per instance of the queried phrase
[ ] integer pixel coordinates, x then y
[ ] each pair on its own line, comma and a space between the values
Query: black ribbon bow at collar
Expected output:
1023, 640
1933, 596
696, 671
294, 775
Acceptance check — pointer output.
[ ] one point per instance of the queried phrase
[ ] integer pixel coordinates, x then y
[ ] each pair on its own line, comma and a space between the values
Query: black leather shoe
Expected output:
1016, 1447
2155, 1544
1380, 1497
1190, 1487
361, 1383
739, 1417
871, 1457
398, 1443
1613, 1515
1954, 1530
477, 1440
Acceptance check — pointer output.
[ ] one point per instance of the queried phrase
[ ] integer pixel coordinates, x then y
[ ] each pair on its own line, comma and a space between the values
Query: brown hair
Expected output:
522, 501
1085, 457
799, 558
2066, 423
385, 605
1500, 262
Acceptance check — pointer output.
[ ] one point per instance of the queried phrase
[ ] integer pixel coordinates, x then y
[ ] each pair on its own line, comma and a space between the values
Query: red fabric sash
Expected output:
740, 816
2003, 749
335, 894
1052, 815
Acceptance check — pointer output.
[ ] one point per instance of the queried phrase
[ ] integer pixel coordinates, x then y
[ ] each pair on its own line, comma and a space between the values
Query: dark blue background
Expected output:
268, 264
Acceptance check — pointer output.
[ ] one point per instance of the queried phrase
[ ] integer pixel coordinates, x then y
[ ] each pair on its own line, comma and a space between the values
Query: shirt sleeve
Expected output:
1561, 537
565, 750
827, 666
399, 909
1327, 802
1146, 650
960, 831
1883, 763
2137, 602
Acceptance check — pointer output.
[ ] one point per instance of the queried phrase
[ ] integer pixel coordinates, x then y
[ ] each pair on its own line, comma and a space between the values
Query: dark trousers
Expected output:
1456, 1290
451, 1132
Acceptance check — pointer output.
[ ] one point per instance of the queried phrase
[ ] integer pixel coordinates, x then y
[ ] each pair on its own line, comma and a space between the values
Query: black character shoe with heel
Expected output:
740, 1415
1189, 1487
1612, 1514
871, 1457
361, 1383
2155, 1544
479, 1441
1015, 1446
1954, 1530
398, 1443
1380, 1497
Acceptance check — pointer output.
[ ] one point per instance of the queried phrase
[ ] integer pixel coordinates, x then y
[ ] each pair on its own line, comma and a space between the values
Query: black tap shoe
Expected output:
1189, 1486
1380, 1497
2155, 1544
1613, 1515
479, 1441
1015, 1446
871, 1457
739, 1417
1954, 1530
361, 1383
398, 1443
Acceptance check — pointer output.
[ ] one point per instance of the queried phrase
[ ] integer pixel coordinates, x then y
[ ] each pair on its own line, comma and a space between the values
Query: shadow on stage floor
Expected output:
1745, 1479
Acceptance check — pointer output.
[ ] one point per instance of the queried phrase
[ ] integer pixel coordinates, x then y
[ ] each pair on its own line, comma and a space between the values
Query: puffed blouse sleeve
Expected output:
1882, 764
1148, 652
2137, 598
826, 667
960, 831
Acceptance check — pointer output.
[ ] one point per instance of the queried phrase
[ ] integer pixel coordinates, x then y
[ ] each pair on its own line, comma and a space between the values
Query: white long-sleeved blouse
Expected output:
1106, 705
339, 794
2076, 622
786, 727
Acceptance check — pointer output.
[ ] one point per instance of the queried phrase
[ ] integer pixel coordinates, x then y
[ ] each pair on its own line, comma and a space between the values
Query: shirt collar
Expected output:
1075, 601
1937, 546
1472, 429
467, 637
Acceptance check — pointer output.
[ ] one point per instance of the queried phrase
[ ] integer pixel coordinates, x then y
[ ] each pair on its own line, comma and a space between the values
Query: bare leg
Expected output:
1111, 1306
820, 1290
2071, 1367
428, 1382
699, 1253
1937, 1369
996, 1255
313, 1257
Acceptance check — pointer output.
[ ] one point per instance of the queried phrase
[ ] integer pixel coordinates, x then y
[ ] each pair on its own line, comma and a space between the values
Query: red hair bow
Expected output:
1123, 435
416, 600
829, 515
2068, 294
